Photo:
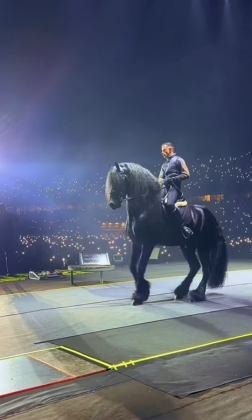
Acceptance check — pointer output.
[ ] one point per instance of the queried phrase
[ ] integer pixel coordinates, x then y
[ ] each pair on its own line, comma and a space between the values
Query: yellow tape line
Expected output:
170, 353
85, 356
30, 352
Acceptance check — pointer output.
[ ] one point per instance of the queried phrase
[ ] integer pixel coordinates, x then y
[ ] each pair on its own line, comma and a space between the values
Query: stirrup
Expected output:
186, 232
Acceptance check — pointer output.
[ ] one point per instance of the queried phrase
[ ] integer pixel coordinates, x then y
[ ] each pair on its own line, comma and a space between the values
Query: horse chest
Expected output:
142, 231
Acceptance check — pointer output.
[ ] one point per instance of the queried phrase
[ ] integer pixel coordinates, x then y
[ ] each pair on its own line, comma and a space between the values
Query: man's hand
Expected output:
166, 182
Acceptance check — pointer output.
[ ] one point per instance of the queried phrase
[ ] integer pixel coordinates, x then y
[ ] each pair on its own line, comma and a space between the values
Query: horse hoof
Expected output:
196, 296
180, 293
137, 302
140, 297
134, 296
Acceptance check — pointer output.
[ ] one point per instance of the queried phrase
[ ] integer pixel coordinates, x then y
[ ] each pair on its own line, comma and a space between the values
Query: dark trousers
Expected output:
170, 199
172, 196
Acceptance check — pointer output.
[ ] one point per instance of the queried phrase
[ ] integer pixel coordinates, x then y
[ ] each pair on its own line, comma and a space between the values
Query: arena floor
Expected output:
85, 351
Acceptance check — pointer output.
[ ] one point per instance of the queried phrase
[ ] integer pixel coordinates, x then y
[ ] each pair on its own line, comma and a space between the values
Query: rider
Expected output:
173, 171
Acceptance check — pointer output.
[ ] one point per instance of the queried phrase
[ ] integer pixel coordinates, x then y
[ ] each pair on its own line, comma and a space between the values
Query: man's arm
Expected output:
185, 174
183, 169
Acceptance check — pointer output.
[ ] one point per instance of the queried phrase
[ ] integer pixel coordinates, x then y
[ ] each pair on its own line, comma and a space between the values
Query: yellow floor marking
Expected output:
184, 350
85, 356
157, 356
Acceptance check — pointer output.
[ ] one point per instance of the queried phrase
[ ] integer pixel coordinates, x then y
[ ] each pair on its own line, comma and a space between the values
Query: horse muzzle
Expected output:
114, 205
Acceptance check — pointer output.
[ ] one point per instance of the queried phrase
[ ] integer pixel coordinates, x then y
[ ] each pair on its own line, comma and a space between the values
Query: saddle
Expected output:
184, 210
182, 203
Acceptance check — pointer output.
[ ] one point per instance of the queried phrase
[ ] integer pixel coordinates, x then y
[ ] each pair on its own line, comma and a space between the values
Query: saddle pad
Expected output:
186, 215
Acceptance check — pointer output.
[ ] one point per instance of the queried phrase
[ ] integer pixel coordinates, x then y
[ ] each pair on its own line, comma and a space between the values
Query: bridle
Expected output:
121, 196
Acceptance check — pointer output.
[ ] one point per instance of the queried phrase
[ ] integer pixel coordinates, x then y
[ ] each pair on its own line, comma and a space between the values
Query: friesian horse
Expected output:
147, 226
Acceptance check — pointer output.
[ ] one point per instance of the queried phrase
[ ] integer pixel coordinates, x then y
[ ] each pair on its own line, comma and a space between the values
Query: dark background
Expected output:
98, 81
86, 83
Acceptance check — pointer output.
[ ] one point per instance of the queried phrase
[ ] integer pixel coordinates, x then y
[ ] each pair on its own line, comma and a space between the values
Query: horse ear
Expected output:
117, 166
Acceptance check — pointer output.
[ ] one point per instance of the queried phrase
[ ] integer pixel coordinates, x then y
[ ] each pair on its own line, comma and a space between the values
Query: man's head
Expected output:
167, 150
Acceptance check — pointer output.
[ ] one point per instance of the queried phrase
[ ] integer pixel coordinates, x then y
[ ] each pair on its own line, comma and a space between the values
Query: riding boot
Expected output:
186, 231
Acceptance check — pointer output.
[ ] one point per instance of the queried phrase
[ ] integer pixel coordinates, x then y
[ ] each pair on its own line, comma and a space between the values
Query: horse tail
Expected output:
218, 253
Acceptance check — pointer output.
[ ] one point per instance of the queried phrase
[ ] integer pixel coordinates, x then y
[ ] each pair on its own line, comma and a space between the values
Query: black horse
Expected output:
147, 226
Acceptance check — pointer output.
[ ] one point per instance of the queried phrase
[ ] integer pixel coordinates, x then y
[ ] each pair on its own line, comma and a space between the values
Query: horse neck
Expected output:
134, 207
137, 206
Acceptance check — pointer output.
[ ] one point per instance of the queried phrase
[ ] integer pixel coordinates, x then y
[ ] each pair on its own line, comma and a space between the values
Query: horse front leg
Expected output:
142, 292
136, 250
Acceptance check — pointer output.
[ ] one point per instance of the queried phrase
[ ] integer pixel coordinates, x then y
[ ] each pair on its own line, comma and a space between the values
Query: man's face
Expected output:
166, 151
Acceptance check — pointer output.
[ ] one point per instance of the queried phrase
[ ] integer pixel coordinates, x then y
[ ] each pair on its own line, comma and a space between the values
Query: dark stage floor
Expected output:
119, 275
146, 362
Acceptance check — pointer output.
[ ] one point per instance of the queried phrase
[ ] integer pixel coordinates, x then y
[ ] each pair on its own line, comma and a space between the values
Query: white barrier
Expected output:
91, 263
89, 269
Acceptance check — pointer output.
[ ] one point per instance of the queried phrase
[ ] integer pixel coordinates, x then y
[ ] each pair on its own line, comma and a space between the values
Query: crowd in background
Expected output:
61, 216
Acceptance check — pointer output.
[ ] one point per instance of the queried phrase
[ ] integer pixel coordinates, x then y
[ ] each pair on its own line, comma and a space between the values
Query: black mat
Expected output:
142, 401
31, 399
191, 373
144, 340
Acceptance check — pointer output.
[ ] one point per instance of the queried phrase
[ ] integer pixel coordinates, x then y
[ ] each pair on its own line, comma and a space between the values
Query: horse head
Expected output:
130, 181
117, 186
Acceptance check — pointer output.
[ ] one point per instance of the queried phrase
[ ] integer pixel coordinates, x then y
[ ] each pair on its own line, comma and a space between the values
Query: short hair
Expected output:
168, 144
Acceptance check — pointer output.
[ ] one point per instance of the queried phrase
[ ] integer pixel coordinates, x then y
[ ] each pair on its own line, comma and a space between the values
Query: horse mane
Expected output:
143, 184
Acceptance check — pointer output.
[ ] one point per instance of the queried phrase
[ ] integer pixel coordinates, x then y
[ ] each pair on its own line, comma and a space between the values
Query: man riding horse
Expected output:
172, 173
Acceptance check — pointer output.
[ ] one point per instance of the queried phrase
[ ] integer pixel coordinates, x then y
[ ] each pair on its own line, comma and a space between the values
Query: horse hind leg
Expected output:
199, 294
190, 255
